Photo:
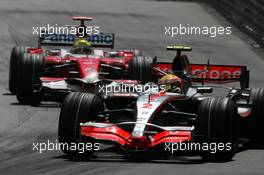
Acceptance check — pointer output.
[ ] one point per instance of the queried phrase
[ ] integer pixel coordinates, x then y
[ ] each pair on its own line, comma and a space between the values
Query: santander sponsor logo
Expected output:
217, 74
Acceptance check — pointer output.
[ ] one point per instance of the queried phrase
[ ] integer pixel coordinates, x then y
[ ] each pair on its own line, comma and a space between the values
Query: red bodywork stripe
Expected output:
112, 133
35, 50
49, 79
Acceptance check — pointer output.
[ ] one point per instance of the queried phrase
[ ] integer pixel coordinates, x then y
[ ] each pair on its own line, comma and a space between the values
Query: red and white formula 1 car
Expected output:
51, 70
154, 121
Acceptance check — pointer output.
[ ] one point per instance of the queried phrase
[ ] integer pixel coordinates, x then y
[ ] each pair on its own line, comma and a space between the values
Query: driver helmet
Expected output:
171, 83
81, 46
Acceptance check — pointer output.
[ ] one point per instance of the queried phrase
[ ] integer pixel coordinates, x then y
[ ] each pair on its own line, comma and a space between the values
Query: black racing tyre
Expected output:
30, 69
141, 68
253, 124
217, 126
77, 108
136, 52
13, 66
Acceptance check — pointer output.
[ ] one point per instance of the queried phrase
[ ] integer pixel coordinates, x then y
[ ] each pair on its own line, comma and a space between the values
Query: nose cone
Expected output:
91, 77
137, 143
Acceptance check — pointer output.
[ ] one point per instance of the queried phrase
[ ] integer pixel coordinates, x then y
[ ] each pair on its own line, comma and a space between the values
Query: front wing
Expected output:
115, 134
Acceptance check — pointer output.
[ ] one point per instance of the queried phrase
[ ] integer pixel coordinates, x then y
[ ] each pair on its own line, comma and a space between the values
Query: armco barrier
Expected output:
247, 15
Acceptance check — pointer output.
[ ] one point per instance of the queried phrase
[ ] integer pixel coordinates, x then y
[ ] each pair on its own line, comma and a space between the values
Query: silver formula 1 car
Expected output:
155, 120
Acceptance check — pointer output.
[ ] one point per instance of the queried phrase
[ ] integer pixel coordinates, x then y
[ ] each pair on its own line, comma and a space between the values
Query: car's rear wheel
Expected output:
217, 126
136, 52
141, 68
77, 108
252, 126
30, 69
13, 66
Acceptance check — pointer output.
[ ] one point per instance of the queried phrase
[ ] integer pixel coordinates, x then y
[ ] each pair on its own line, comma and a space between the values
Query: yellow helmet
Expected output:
82, 42
171, 83
81, 46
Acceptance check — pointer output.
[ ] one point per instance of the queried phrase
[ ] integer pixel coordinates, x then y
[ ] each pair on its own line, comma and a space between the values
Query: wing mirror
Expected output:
204, 90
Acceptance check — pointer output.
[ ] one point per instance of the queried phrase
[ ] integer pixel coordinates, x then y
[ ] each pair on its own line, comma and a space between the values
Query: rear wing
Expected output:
220, 74
96, 40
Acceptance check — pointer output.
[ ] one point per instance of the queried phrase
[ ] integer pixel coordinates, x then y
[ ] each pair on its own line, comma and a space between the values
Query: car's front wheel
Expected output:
77, 108
217, 129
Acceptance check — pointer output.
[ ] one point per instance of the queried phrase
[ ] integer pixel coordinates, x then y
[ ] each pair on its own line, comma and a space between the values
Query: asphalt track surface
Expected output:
137, 24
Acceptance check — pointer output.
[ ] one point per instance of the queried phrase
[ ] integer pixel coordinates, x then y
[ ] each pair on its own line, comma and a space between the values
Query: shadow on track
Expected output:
180, 158
7, 94
43, 105
125, 159
116, 155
